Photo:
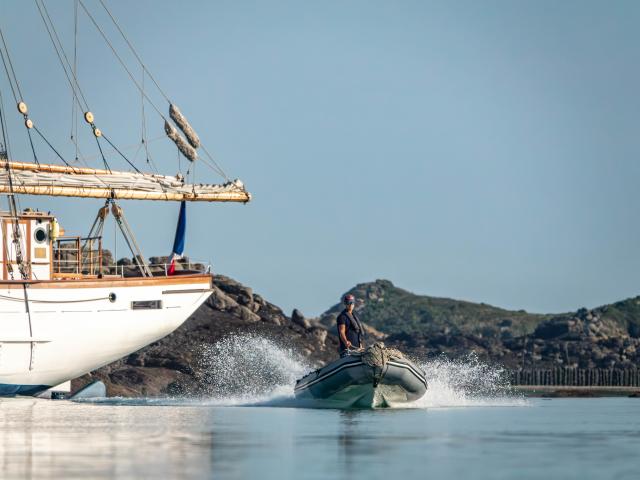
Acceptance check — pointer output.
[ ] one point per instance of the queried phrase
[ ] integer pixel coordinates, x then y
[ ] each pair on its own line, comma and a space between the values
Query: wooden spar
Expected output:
126, 194
119, 193
33, 167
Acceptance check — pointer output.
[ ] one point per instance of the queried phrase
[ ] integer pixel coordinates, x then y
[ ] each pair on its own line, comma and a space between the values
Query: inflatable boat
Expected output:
377, 377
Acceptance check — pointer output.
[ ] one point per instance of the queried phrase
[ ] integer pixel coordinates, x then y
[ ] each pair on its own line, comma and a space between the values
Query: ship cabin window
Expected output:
40, 235
146, 305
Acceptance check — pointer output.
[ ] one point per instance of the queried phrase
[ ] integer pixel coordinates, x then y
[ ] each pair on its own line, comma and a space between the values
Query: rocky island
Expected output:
604, 339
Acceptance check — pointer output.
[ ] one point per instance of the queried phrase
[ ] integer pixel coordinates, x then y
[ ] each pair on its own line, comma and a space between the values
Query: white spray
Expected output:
248, 369
466, 382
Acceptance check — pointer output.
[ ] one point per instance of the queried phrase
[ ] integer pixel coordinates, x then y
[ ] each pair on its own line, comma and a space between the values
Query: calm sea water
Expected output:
559, 438
249, 426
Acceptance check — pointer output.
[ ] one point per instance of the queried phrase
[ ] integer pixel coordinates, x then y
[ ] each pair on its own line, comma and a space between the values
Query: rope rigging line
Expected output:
33, 149
13, 72
106, 39
74, 109
104, 160
124, 149
23, 268
70, 74
13, 208
3, 128
145, 143
121, 154
80, 100
67, 163
52, 147
6, 69
215, 167
130, 239
4, 51
133, 50
62, 56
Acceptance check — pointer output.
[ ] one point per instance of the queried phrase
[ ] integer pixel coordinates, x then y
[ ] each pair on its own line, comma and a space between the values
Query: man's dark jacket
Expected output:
354, 331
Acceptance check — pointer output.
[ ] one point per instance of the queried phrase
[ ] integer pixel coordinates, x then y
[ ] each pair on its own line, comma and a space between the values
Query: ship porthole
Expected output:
112, 297
40, 235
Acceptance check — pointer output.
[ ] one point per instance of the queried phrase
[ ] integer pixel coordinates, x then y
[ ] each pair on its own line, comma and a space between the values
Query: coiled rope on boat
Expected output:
377, 355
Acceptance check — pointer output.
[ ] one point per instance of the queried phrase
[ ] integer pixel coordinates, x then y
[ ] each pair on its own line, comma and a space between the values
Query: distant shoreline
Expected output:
572, 391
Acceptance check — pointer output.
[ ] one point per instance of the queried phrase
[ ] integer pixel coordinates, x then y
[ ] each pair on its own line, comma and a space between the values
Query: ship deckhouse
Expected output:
37, 231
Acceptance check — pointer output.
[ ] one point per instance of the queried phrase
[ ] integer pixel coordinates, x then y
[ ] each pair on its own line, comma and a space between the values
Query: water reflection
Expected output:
348, 449
44, 439
47, 439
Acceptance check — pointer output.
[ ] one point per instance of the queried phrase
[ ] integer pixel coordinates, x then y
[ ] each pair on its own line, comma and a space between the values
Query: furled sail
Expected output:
65, 181
185, 148
185, 126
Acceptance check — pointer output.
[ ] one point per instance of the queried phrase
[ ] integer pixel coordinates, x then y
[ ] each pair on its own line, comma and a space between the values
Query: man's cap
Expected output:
348, 299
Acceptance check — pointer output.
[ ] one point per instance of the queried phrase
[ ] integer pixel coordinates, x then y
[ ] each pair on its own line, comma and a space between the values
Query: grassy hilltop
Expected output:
393, 310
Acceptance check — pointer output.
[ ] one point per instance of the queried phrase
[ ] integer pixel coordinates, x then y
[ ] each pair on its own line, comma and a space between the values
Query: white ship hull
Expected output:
77, 326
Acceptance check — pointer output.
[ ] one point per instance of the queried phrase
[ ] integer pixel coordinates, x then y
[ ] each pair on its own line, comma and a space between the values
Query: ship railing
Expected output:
77, 256
160, 269
81, 257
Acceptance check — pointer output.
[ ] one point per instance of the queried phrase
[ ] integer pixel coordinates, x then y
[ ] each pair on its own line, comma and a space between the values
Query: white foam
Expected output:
466, 382
250, 370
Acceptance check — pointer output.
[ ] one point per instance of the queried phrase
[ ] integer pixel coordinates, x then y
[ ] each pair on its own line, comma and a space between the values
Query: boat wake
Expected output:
467, 382
248, 370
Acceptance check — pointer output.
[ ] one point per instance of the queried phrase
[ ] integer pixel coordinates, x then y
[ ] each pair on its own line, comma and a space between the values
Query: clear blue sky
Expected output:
482, 150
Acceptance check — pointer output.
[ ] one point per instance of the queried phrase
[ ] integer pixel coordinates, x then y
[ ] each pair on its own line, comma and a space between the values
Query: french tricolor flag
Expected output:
178, 242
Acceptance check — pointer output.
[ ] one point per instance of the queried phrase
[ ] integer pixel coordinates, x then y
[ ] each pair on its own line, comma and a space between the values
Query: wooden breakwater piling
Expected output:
578, 377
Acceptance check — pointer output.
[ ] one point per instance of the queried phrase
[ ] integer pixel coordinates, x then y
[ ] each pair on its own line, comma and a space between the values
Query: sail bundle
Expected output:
56, 180
187, 147
184, 125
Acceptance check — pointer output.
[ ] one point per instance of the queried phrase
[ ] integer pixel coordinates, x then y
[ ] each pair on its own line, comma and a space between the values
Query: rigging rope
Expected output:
144, 67
71, 72
121, 154
33, 149
3, 129
214, 166
13, 72
13, 207
130, 239
104, 160
106, 39
13, 78
51, 146
62, 57
6, 69
74, 109
144, 123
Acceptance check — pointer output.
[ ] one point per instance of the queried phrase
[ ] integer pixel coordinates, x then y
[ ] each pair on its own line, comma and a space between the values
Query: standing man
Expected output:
350, 330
